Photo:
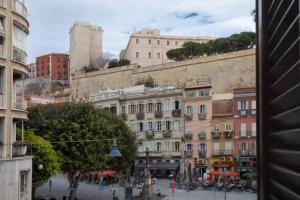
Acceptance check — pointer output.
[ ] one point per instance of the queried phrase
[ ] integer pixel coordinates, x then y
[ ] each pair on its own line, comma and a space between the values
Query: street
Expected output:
91, 192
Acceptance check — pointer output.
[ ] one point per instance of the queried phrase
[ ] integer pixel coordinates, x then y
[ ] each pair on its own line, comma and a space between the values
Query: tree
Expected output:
43, 156
118, 63
149, 82
83, 134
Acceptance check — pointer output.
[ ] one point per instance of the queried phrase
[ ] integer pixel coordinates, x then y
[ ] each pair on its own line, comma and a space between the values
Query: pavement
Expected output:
90, 191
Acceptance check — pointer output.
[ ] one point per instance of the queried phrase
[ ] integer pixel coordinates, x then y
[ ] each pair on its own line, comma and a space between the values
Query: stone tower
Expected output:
85, 46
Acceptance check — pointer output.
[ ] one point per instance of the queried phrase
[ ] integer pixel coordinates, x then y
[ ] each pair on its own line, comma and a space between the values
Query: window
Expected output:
158, 55
123, 110
228, 146
150, 107
243, 105
140, 108
177, 104
204, 92
159, 106
176, 125
202, 109
167, 146
216, 146
168, 105
253, 107
216, 128
227, 127
140, 126
131, 109
252, 146
150, 126
149, 41
189, 110
137, 41
158, 42
137, 54
243, 130
177, 146
202, 130
176, 42
189, 130
159, 125
189, 147
149, 55
19, 38
202, 147
24, 184
168, 125
168, 42
243, 146
254, 129
158, 146
190, 94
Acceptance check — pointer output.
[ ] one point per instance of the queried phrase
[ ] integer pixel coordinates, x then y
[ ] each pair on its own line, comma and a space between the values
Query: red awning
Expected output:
214, 173
105, 172
229, 173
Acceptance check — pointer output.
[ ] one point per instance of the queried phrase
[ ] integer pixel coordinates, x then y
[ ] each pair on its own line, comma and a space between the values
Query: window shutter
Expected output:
163, 125
253, 105
155, 126
239, 105
173, 105
205, 109
247, 105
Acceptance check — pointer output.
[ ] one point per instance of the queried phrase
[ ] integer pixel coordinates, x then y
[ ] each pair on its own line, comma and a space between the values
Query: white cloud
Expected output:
50, 20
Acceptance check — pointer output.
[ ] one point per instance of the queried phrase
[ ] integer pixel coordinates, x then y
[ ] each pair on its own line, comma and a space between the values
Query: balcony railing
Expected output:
167, 133
149, 134
215, 134
158, 114
202, 136
140, 116
188, 136
228, 134
201, 116
176, 113
189, 116
222, 153
123, 116
243, 112
20, 8
188, 153
20, 103
202, 153
19, 55
2, 51
19, 150
247, 152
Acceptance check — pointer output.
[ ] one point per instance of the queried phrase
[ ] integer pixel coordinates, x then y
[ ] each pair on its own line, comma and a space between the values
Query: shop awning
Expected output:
229, 173
105, 172
159, 166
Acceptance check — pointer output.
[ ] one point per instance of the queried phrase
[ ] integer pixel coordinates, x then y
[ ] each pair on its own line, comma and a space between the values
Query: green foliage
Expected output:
43, 154
87, 69
149, 82
235, 42
118, 63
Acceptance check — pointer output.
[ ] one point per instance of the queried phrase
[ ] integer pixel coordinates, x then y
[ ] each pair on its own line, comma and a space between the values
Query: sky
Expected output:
50, 20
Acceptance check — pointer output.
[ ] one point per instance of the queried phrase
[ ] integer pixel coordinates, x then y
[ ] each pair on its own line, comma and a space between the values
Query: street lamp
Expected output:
115, 153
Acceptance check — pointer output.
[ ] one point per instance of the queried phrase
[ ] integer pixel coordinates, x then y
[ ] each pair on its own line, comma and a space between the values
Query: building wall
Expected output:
226, 71
85, 46
32, 70
152, 47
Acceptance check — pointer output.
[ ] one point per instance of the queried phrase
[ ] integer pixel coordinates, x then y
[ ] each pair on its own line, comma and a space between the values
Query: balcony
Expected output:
188, 136
188, 153
222, 153
215, 134
20, 103
140, 116
202, 153
243, 112
19, 150
228, 134
19, 55
149, 134
202, 136
247, 152
189, 116
176, 113
201, 116
158, 114
167, 133
2, 51
20, 8
123, 116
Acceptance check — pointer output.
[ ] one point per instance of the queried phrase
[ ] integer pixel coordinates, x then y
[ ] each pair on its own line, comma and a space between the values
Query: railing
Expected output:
222, 153
19, 55
140, 116
188, 136
176, 113
247, 152
2, 51
158, 114
167, 133
243, 112
201, 116
188, 153
20, 103
215, 134
202, 153
149, 134
19, 150
201, 136
189, 116
228, 134
20, 8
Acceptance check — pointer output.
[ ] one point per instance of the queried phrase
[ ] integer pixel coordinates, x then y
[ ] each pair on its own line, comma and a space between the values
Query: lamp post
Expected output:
115, 153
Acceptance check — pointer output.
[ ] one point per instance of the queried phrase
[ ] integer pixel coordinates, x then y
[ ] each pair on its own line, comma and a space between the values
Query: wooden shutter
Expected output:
278, 67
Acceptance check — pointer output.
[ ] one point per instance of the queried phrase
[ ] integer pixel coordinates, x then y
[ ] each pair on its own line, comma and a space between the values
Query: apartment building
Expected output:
15, 166
222, 156
197, 126
32, 70
53, 65
244, 113
148, 47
